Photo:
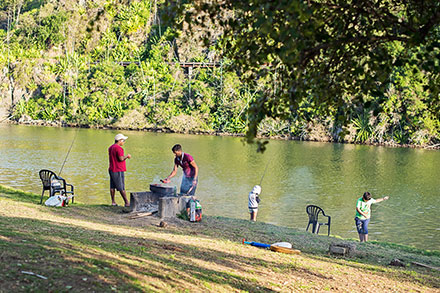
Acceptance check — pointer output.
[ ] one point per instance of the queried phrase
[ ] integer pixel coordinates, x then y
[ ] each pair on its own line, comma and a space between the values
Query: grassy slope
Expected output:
84, 248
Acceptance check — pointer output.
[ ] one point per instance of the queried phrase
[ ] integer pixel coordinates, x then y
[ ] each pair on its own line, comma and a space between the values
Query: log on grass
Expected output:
425, 266
141, 215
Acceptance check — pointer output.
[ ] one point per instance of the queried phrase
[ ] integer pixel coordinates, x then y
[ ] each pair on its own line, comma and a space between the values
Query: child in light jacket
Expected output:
254, 200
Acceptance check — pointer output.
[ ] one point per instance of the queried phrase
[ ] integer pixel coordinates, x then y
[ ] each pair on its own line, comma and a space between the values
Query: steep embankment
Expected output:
121, 64
97, 248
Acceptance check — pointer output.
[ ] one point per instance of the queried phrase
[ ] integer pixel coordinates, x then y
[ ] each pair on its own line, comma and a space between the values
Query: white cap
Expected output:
120, 136
256, 189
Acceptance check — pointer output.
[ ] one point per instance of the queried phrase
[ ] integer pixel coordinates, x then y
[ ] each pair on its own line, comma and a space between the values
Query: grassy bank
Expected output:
97, 248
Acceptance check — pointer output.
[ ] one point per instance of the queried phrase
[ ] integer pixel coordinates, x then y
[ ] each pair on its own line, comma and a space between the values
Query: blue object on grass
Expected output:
257, 244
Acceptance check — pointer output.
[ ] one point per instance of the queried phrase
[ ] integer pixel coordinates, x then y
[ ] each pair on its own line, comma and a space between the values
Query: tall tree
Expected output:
333, 52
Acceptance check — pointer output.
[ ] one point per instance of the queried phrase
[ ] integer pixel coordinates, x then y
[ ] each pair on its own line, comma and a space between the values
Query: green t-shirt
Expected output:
365, 207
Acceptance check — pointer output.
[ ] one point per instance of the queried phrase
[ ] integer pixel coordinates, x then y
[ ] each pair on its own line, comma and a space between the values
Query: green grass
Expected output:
97, 248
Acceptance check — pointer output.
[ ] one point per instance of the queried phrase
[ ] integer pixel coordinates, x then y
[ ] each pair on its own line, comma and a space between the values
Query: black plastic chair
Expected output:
47, 178
313, 212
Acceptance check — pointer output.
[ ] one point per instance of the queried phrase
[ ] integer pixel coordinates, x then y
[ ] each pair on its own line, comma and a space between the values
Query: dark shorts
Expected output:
253, 210
187, 182
362, 225
117, 180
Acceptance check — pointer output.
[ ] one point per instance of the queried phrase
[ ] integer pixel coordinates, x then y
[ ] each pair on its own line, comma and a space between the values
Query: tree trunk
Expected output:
20, 4
11, 88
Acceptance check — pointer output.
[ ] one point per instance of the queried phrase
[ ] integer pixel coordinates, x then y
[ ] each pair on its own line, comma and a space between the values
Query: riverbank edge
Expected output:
430, 252
371, 258
213, 133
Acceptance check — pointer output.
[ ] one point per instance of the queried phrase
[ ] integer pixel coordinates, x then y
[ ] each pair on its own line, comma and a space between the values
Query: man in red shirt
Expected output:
190, 171
117, 168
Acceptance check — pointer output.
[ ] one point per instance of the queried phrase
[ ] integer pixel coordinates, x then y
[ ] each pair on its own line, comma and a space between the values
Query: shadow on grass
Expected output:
421, 276
68, 255
107, 260
166, 255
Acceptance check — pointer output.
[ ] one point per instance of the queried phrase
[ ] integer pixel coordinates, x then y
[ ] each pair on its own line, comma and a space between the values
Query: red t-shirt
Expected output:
114, 152
185, 163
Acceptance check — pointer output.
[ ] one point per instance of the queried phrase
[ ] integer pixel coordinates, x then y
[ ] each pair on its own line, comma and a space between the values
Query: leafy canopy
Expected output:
332, 53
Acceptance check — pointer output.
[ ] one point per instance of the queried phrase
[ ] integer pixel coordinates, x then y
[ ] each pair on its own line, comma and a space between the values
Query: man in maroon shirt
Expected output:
190, 171
117, 168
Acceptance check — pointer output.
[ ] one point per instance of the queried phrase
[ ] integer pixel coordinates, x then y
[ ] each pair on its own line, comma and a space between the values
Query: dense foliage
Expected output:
318, 70
348, 60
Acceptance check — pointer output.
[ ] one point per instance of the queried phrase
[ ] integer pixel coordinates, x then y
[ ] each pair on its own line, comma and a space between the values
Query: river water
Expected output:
332, 176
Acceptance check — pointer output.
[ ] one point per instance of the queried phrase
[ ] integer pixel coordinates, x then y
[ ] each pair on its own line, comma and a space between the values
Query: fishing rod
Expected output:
68, 152
264, 173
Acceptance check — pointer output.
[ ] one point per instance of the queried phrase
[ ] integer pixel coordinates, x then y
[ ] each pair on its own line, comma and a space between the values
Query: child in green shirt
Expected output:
363, 214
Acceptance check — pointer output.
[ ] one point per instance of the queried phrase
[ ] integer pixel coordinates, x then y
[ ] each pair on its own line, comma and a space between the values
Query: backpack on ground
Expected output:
194, 210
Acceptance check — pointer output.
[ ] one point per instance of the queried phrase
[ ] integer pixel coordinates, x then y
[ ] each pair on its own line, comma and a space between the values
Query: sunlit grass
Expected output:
96, 248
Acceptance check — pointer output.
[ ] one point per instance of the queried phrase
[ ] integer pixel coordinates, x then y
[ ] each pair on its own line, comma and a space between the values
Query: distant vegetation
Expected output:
117, 63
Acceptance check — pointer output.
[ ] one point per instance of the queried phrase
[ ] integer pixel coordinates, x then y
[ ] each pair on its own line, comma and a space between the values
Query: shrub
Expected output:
187, 123
134, 119
363, 128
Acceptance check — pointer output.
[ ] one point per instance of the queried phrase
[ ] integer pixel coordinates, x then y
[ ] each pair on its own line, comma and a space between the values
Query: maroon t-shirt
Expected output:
114, 152
184, 162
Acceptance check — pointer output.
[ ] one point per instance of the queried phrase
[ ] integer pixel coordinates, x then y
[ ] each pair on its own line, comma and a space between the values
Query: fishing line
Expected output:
379, 206
68, 152
261, 180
